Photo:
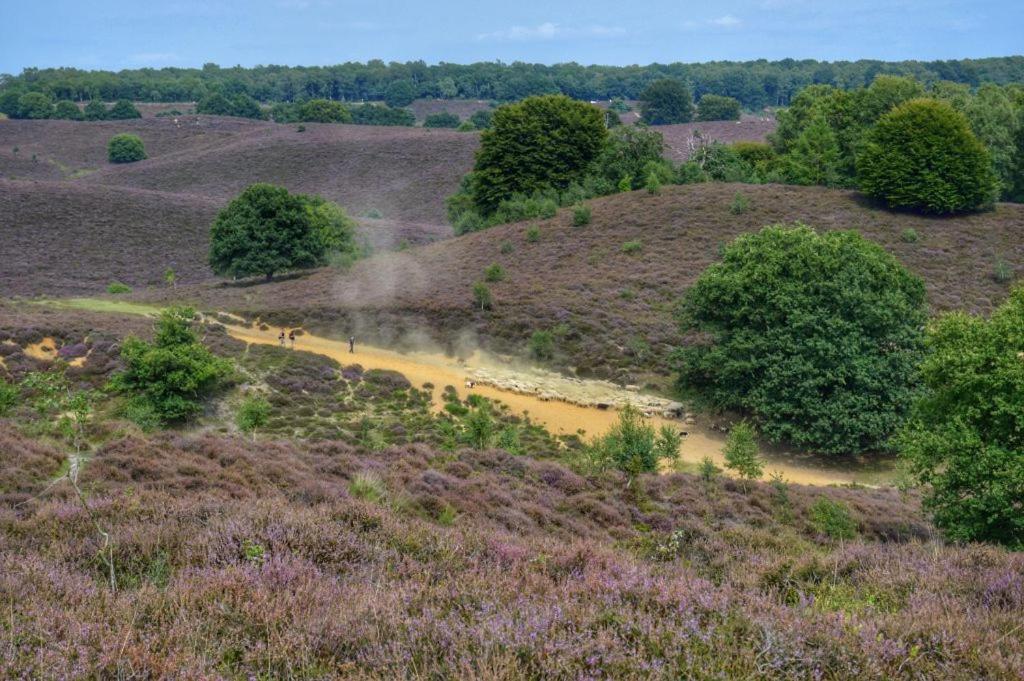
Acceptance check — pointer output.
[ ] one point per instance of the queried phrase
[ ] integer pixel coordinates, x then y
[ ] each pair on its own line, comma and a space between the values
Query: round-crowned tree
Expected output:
666, 101
266, 230
95, 110
444, 119
67, 110
539, 143
35, 105
123, 110
816, 336
324, 111
718, 108
399, 93
923, 155
125, 148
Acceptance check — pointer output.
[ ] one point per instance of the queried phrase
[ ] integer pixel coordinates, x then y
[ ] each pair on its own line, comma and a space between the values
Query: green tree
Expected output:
630, 444
816, 336
718, 108
741, 452
537, 144
666, 101
34, 105
481, 120
965, 442
441, 120
125, 148
123, 110
95, 110
482, 295
814, 157
324, 111
266, 230
253, 413
9, 396
174, 373
923, 155
994, 121
67, 110
627, 153
215, 104
399, 93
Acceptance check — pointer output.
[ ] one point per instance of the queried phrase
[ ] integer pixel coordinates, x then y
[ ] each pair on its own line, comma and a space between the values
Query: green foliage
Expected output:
67, 110
718, 108
632, 247
533, 234
740, 204
253, 413
399, 93
628, 152
367, 486
653, 183
542, 345
629, 445
817, 336
174, 373
965, 442
494, 272
374, 114
666, 101
619, 105
240, 105
482, 119
832, 519
123, 110
266, 230
995, 121
741, 453
581, 216
480, 426
667, 444
538, 144
482, 295
707, 470
125, 148
815, 156
95, 110
142, 413
324, 111
506, 247
444, 119
34, 105
612, 120
170, 277
63, 411
1002, 272
116, 288
909, 236
923, 155
9, 396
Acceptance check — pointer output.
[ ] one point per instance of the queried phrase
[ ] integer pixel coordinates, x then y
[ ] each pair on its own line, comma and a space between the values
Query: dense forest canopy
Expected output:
755, 84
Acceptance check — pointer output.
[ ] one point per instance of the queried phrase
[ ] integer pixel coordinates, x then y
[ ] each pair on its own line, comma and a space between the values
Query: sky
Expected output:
119, 34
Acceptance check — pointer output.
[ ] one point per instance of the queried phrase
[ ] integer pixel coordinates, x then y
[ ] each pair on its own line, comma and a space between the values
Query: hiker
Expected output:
351, 343
291, 337
470, 384
280, 337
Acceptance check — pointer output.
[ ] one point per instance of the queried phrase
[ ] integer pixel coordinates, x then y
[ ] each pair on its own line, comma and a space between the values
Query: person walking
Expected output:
291, 338
280, 337
351, 343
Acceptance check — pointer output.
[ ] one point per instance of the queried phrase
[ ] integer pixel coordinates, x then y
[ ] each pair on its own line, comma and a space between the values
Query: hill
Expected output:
612, 309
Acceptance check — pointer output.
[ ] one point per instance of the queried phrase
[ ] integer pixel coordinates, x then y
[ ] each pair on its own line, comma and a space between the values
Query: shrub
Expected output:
125, 148
399, 93
541, 143
95, 110
368, 486
67, 110
612, 120
1002, 272
668, 442
690, 172
581, 216
170, 277
965, 442
482, 119
629, 445
123, 110
542, 345
466, 126
324, 111
666, 101
116, 288
506, 247
817, 336
741, 452
240, 105
480, 426
707, 470
653, 184
482, 295
441, 120
632, 247
832, 519
909, 236
373, 114
174, 372
718, 108
142, 413
619, 105
494, 272
923, 155
9, 396
740, 204
253, 413
34, 105
265, 230
533, 234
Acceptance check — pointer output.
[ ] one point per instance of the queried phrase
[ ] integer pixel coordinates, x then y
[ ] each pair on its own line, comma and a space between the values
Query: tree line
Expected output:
755, 84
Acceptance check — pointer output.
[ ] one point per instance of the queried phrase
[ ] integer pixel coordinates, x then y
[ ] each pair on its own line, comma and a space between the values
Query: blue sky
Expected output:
116, 34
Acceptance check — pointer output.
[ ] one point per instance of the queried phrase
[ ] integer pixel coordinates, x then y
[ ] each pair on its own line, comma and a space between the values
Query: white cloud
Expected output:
727, 21
549, 31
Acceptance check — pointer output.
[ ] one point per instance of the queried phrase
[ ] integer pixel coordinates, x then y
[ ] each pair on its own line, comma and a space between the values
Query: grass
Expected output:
101, 305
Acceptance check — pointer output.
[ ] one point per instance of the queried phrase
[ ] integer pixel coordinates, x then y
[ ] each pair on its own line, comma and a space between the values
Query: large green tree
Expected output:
324, 111
266, 230
923, 155
539, 143
816, 336
666, 101
965, 442
123, 110
718, 108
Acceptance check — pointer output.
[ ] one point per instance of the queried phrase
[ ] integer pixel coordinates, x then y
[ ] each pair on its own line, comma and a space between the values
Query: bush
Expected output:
241, 106
581, 216
740, 204
34, 105
253, 413
367, 486
1002, 272
817, 336
741, 452
909, 236
482, 295
707, 470
67, 110
653, 184
324, 111
494, 272
832, 519
441, 120
9, 396
123, 110
666, 101
923, 155
116, 287
533, 234
542, 345
95, 110
266, 230
632, 247
965, 442
399, 93
630, 445
538, 144
718, 108
174, 373
373, 114
482, 119
125, 148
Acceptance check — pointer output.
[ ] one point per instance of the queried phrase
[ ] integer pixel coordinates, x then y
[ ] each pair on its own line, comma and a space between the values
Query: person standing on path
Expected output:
352, 344
291, 338
280, 337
